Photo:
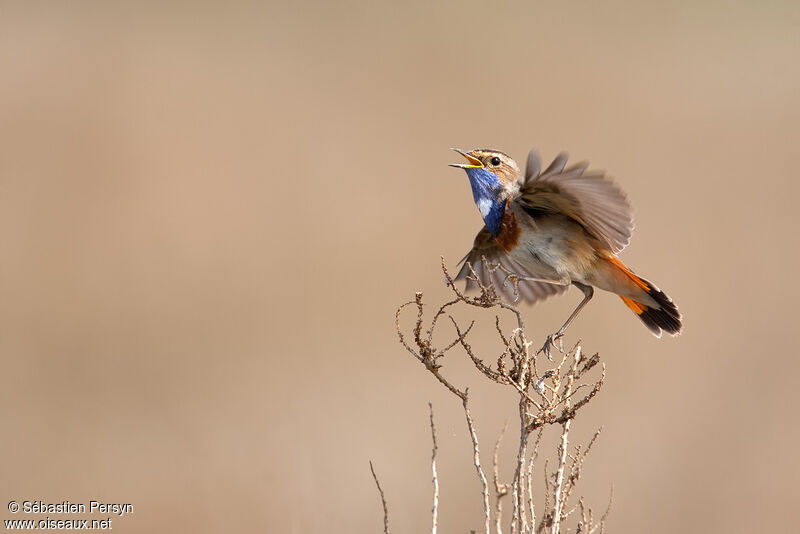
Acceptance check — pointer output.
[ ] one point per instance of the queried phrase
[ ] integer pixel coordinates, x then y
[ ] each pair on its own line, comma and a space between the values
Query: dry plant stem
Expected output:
435, 511
529, 478
550, 396
602, 524
577, 464
478, 468
558, 503
587, 524
383, 500
547, 497
427, 354
534, 456
520, 522
501, 490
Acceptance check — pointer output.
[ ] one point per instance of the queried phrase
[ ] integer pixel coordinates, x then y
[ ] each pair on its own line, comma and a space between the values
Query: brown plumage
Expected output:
560, 227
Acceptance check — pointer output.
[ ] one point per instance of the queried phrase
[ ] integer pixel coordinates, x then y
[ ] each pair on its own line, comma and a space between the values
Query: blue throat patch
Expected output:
486, 188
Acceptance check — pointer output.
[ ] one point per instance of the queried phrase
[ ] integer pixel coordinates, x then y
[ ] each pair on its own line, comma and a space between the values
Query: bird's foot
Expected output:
512, 279
551, 342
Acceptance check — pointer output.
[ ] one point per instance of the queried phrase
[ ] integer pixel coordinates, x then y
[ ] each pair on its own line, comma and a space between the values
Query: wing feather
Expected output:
534, 165
486, 247
558, 164
590, 198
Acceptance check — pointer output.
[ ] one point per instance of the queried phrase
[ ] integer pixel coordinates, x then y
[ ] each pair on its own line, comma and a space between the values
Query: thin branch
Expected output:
427, 355
478, 468
534, 456
577, 465
518, 485
529, 480
584, 525
436, 316
501, 490
602, 524
435, 511
383, 500
547, 513
552, 397
460, 338
558, 503
400, 331
482, 367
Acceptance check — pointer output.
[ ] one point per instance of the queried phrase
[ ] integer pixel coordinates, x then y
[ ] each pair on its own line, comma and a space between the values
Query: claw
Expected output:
514, 280
551, 342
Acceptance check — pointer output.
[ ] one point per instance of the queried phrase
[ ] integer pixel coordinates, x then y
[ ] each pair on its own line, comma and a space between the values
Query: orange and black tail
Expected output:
663, 317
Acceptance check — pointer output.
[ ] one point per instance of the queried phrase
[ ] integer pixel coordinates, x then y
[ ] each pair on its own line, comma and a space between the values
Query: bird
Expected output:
545, 231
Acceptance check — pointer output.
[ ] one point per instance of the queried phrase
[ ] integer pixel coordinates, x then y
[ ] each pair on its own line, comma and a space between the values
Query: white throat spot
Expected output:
484, 205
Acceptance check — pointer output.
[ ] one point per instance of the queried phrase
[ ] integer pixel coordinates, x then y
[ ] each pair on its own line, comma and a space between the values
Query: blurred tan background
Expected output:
209, 213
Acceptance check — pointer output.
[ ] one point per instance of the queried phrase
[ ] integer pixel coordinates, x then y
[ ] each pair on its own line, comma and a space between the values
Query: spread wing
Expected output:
590, 198
486, 247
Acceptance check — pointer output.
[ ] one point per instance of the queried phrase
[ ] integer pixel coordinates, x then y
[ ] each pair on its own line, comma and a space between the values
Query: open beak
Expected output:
474, 163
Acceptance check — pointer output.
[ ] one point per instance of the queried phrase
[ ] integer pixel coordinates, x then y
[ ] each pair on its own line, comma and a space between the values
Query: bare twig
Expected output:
383, 500
551, 395
519, 521
547, 514
532, 460
501, 490
577, 465
435, 511
603, 518
602, 524
558, 503
477, 460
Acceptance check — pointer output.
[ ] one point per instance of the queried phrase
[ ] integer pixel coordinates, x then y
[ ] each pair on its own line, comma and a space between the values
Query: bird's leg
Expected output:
588, 292
515, 279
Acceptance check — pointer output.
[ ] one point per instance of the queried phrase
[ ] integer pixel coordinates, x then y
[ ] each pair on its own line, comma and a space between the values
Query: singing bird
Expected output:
549, 230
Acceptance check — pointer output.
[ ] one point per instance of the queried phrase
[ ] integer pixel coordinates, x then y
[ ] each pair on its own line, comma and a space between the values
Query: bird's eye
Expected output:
495, 161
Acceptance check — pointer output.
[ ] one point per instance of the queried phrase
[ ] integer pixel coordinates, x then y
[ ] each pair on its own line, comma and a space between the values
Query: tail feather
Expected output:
664, 317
